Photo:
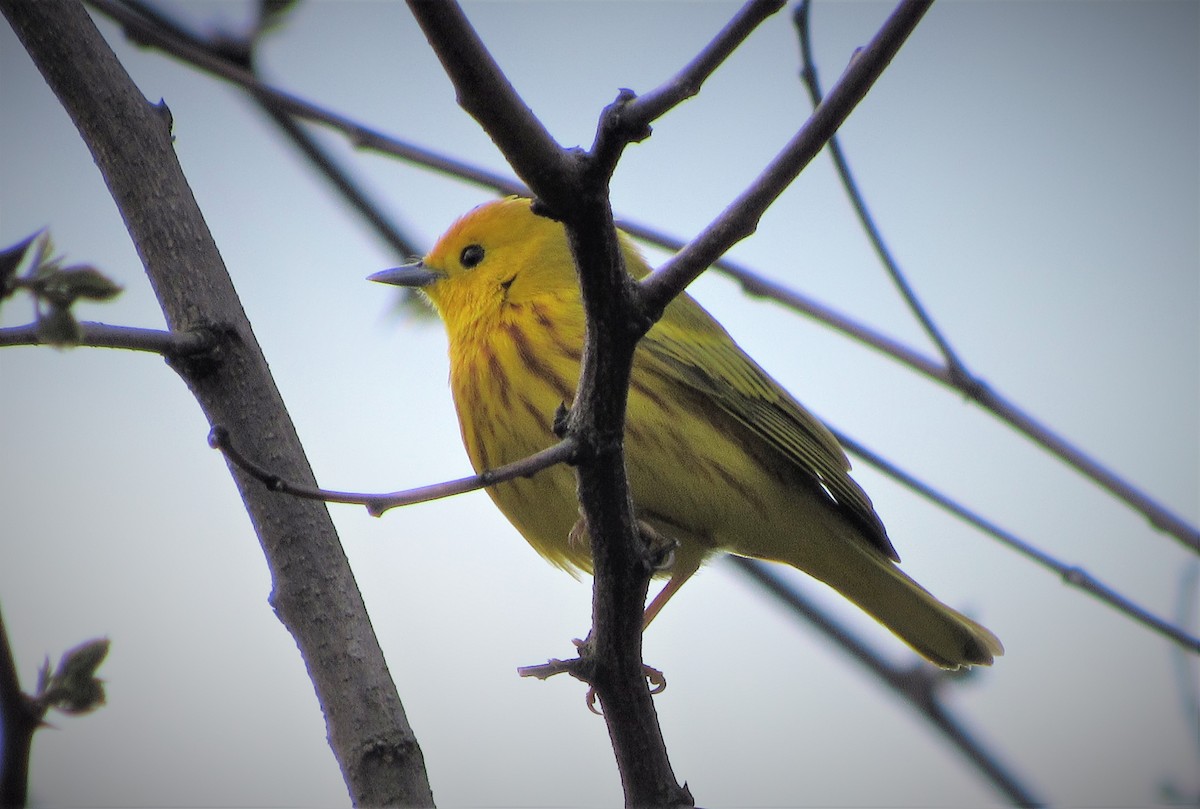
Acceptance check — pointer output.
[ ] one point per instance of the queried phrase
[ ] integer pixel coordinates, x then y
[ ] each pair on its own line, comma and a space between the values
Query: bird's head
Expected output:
498, 252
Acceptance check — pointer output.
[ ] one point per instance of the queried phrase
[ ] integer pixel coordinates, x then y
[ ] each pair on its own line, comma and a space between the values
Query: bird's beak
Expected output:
407, 275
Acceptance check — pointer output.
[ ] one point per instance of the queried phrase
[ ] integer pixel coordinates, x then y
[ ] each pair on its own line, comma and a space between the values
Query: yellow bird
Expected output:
720, 457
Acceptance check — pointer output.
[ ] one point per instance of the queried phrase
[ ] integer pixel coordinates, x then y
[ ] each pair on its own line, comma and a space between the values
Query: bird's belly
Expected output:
692, 481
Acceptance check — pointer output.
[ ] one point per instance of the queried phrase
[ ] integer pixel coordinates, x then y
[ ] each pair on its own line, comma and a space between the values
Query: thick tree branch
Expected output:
314, 590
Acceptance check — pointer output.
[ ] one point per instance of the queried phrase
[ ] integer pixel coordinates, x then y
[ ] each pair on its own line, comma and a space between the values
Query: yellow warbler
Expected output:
720, 457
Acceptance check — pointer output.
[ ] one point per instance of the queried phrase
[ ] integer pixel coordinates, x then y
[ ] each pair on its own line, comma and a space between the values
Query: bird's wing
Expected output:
689, 346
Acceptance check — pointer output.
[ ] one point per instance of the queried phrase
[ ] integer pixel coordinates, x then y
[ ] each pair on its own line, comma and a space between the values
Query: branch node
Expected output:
164, 114
562, 421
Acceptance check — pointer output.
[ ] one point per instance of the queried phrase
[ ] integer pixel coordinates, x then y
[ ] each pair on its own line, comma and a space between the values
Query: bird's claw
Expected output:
656, 679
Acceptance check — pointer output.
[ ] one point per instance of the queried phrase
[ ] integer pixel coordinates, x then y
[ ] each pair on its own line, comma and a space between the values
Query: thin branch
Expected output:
352, 192
1071, 574
628, 120
808, 72
102, 335
740, 218
918, 685
551, 668
1158, 515
377, 504
650, 106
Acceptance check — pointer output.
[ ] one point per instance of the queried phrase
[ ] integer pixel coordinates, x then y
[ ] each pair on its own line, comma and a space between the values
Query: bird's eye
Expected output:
471, 255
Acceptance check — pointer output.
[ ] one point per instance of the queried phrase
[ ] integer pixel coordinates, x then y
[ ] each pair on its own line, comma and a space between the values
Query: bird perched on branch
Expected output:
720, 457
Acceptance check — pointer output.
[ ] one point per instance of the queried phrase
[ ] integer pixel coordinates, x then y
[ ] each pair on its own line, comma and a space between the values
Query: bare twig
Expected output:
103, 335
377, 504
648, 107
403, 245
1158, 515
552, 667
918, 685
628, 120
1071, 574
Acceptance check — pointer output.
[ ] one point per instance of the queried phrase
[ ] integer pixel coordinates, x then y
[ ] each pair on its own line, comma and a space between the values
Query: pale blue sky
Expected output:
1035, 167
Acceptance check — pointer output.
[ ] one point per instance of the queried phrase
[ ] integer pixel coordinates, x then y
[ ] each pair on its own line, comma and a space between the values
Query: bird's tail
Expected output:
943, 635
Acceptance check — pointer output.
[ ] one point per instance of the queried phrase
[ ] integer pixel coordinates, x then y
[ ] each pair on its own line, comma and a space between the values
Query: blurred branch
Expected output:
377, 504
72, 688
808, 72
918, 685
1070, 574
131, 142
103, 335
239, 52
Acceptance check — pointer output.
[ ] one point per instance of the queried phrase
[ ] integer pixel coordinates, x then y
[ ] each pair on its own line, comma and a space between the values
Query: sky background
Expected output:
1034, 166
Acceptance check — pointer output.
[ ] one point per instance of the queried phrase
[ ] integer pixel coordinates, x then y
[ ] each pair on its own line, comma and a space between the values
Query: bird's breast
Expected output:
509, 375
